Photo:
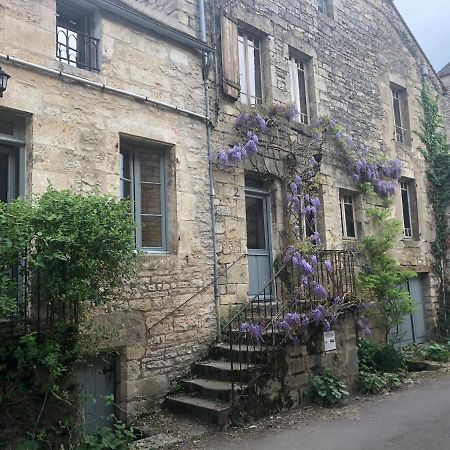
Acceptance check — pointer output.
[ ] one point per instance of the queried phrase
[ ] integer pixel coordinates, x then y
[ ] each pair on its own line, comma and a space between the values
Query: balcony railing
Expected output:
77, 49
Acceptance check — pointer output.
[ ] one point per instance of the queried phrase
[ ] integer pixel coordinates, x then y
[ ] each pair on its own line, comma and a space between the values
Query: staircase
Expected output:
210, 393
228, 378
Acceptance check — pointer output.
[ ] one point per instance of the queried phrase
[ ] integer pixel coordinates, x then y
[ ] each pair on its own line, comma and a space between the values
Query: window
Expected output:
299, 88
400, 105
75, 44
406, 208
12, 152
348, 216
143, 179
325, 7
250, 69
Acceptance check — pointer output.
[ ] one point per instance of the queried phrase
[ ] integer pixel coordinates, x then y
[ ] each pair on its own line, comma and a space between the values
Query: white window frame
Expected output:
295, 66
135, 183
407, 231
399, 129
247, 69
343, 202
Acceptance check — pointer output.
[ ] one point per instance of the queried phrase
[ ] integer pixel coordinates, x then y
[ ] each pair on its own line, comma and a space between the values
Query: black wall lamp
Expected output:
4, 77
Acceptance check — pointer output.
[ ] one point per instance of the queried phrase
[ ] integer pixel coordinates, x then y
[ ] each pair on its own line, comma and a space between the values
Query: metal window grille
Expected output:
75, 44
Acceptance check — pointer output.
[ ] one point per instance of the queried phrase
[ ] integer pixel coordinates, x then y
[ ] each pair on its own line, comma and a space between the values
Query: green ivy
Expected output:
437, 156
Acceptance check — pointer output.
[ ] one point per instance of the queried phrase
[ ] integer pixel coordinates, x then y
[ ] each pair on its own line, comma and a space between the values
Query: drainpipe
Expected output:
206, 66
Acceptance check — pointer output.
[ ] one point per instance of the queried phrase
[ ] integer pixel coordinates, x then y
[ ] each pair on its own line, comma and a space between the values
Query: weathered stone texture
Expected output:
74, 136
354, 60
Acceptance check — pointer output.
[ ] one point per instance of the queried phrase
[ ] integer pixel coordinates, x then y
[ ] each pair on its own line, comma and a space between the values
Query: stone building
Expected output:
444, 75
102, 91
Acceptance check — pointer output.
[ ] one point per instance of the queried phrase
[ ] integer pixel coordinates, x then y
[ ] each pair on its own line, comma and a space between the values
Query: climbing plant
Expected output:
437, 156
62, 254
266, 143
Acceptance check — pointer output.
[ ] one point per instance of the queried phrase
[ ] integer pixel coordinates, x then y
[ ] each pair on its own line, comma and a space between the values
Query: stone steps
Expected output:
204, 409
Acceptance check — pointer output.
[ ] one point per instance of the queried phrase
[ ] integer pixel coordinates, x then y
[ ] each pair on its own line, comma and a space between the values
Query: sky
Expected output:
429, 20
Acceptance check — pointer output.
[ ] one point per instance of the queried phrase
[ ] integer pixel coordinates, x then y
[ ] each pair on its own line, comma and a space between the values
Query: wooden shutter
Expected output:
230, 57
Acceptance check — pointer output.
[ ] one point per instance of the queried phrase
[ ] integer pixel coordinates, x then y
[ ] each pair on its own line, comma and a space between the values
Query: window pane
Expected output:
150, 198
3, 177
258, 80
405, 206
349, 220
302, 93
256, 237
242, 71
150, 167
152, 231
397, 114
124, 163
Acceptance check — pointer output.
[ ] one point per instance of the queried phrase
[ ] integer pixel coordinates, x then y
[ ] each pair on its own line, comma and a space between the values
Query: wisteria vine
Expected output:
374, 174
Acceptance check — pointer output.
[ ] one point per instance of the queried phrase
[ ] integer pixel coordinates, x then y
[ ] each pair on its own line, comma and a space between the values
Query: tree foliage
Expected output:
381, 276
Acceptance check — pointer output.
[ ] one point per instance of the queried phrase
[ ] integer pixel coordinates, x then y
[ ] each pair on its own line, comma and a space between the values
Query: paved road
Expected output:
415, 419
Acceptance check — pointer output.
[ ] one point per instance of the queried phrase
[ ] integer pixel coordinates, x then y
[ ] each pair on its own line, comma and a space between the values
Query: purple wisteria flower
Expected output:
313, 260
236, 153
243, 120
294, 188
298, 180
310, 211
315, 238
251, 147
315, 201
254, 330
319, 290
326, 325
223, 157
317, 314
337, 300
328, 266
262, 123
253, 137
291, 113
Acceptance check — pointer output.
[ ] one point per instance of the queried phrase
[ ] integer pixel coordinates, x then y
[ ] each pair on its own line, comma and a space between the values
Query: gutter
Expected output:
102, 87
151, 24
208, 123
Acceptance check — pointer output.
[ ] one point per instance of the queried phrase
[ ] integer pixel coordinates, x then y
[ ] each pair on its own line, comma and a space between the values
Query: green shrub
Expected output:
436, 352
106, 438
327, 390
379, 357
371, 383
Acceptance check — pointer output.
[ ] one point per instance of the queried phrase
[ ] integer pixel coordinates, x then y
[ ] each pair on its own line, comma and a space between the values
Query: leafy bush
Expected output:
106, 438
377, 357
328, 390
436, 352
381, 366
77, 249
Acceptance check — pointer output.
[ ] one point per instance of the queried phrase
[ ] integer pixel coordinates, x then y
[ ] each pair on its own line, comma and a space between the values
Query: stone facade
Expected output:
73, 134
296, 365
444, 75
353, 59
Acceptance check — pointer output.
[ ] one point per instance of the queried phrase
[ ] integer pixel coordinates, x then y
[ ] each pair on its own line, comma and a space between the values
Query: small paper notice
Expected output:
330, 340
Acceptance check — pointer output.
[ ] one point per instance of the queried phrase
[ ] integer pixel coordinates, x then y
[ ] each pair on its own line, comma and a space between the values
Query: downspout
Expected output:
206, 67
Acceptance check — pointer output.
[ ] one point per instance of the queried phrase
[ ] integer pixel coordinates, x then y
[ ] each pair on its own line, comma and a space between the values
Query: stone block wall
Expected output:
354, 59
297, 365
73, 141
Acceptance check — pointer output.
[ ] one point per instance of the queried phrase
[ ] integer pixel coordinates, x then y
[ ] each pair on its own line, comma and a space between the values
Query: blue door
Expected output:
258, 244
412, 329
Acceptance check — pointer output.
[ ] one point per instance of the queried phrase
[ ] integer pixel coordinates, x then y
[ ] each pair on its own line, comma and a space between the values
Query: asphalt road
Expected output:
414, 419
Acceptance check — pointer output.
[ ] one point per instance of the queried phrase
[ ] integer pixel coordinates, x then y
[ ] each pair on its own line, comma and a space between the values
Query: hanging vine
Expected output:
437, 156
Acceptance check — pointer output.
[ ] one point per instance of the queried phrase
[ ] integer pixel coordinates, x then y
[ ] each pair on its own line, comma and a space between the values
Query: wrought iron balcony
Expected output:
77, 49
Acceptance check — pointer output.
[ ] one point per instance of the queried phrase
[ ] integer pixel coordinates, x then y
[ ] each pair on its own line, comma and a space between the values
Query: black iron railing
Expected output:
253, 334
77, 49
34, 310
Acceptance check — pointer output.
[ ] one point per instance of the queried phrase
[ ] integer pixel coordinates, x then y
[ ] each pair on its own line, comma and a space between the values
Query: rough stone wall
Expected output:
297, 365
446, 82
354, 59
73, 139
